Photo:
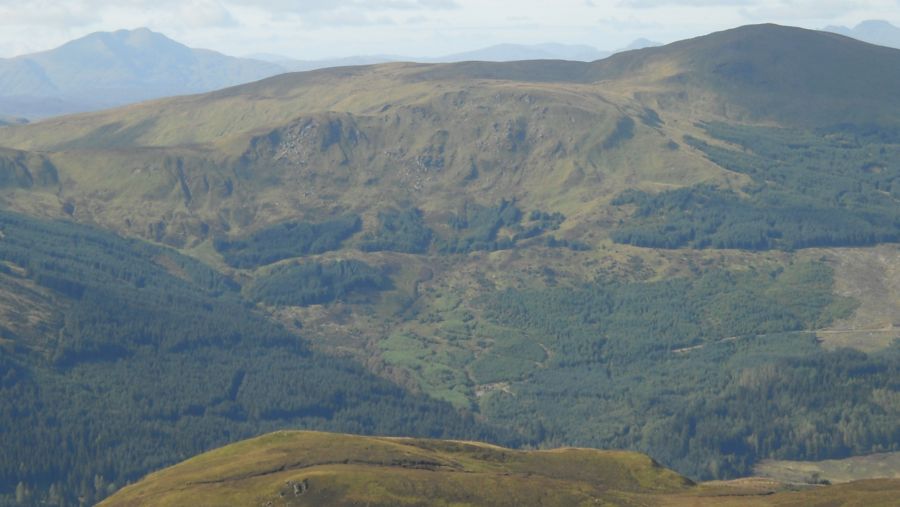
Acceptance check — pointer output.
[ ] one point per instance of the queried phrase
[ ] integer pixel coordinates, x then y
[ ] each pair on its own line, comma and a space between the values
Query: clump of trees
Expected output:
399, 231
317, 283
286, 240
836, 187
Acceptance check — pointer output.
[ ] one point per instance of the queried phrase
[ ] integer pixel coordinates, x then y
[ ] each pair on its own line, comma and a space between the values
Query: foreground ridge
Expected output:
312, 468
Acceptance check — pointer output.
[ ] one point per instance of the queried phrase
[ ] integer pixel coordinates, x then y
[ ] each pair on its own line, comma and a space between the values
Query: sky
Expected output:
317, 29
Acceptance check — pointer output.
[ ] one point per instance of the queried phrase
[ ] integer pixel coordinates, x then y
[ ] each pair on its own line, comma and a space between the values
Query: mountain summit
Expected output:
107, 69
873, 31
769, 71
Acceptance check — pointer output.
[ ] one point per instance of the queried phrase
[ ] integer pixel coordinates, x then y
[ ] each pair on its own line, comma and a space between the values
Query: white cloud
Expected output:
788, 11
313, 6
46, 13
650, 4
170, 16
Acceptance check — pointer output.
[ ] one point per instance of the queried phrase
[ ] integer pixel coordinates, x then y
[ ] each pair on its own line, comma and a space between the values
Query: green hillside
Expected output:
831, 187
119, 357
765, 72
555, 136
689, 251
304, 468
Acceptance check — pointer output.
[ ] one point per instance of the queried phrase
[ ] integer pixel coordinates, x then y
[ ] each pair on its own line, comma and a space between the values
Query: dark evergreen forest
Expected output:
154, 358
831, 187
708, 375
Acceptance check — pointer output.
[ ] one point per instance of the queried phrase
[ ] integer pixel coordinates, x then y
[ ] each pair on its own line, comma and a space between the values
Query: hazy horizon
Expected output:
319, 29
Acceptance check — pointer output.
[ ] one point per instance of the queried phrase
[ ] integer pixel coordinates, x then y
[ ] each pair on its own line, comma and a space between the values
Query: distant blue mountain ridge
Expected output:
874, 31
109, 69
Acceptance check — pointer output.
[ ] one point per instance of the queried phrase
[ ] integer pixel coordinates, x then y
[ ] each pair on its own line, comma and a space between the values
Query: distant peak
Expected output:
869, 25
875, 31
764, 31
138, 39
641, 44
765, 28
135, 31
136, 35
876, 23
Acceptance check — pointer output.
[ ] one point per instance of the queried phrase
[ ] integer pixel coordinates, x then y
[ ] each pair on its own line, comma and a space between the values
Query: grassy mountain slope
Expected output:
765, 72
543, 132
762, 69
460, 230
347, 470
304, 468
248, 157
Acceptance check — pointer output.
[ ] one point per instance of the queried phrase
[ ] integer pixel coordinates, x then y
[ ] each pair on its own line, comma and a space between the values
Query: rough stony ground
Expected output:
872, 277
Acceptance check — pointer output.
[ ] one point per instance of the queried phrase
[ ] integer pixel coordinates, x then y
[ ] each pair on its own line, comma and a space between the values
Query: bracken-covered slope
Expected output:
308, 468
